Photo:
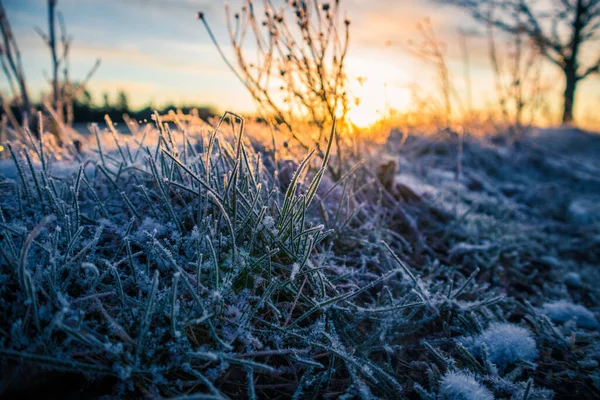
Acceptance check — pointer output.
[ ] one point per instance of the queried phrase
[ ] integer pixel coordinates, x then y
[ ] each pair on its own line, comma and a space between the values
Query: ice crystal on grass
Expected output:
562, 311
573, 279
506, 344
460, 386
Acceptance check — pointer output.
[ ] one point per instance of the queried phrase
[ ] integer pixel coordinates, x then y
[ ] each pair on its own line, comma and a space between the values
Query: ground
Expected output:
181, 263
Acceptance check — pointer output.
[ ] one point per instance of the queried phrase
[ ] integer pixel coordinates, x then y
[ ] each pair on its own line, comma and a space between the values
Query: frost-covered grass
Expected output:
190, 261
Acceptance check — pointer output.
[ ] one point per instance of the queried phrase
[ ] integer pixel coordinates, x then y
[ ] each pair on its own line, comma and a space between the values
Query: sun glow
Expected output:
377, 92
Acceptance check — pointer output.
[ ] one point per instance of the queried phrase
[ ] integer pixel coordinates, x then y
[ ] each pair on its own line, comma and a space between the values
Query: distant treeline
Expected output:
84, 110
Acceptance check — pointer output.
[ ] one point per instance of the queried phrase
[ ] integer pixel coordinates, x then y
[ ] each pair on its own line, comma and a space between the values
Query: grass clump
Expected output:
186, 271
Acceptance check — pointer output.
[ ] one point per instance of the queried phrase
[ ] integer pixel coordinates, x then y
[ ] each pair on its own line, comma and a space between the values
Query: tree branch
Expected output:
594, 69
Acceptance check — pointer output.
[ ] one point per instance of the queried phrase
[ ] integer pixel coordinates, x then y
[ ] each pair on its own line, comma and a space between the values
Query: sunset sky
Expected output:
159, 53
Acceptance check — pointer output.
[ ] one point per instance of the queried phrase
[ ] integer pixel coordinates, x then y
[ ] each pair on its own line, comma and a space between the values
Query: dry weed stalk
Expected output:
433, 51
298, 71
518, 80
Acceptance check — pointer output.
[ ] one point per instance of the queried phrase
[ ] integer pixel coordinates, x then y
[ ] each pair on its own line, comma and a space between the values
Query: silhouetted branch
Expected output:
594, 69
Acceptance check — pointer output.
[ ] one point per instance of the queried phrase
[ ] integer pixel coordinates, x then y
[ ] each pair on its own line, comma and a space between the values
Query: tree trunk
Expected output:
569, 95
570, 63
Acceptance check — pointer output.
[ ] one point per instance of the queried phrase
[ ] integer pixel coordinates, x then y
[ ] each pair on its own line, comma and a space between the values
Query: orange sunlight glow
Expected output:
377, 92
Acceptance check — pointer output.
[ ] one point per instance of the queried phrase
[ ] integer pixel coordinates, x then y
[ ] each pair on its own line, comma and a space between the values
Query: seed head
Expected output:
200, 15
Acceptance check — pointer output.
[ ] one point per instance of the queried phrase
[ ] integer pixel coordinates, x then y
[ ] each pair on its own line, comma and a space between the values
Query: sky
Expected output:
159, 53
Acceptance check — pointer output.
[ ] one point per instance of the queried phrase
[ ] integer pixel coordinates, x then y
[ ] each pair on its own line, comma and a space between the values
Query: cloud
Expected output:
110, 85
131, 58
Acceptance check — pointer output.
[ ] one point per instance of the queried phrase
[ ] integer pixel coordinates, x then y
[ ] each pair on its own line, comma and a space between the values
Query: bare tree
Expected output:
559, 28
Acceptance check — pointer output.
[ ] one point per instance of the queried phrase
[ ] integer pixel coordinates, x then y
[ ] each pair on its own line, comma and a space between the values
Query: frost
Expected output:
295, 270
149, 225
268, 224
8, 169
573, 279
583, 211
459, 386
562, 311
123, 372
506, 343
237, 309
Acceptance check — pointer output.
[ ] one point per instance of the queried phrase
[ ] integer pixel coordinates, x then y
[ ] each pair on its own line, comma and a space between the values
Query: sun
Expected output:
375, 101
378, 92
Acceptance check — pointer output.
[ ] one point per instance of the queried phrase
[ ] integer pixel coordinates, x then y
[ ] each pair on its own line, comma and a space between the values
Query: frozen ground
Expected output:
185, 265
